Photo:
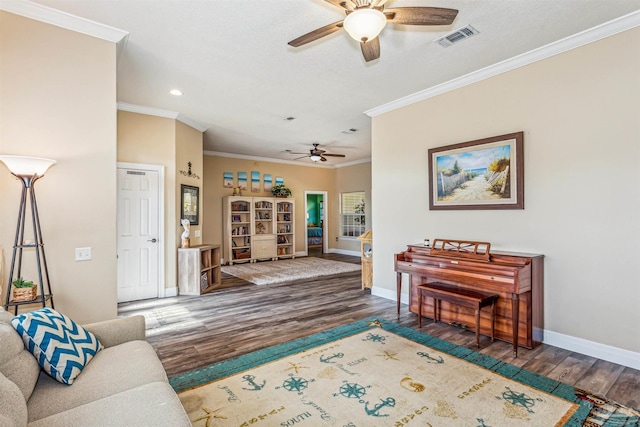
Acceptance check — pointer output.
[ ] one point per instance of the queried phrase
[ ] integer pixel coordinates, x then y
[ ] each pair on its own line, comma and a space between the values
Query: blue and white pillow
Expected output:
61, 347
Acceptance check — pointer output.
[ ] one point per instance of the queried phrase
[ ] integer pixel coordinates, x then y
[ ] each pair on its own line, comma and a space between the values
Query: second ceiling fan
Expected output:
316, 154
367, 18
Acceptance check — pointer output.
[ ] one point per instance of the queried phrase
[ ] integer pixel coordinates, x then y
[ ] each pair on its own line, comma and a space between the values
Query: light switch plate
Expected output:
83, 254
197, 233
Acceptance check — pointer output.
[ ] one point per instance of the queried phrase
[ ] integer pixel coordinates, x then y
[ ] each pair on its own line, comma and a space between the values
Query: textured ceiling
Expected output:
241, 80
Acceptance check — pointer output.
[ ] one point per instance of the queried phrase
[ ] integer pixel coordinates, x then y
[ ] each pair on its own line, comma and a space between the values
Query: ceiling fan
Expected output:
367, 18
316, 154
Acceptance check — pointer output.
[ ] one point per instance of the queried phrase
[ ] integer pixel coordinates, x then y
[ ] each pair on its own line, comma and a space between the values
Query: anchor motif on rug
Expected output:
357, 391
389, 401
250, 380
431, 359
333, 356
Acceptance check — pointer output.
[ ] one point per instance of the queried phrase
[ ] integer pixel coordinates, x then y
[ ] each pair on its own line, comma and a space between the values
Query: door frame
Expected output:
161, 239
325, 221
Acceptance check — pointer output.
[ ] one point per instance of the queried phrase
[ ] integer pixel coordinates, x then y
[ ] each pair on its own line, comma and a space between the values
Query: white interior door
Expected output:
138, 237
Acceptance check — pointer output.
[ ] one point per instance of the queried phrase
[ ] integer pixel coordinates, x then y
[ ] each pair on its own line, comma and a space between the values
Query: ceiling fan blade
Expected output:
333, 155
303, 157
316, 34
421, 15
292, 152
322, 159
370, 49
345, 4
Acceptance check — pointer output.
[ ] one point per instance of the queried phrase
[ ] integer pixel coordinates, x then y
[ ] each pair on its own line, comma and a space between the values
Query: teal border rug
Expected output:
591, 411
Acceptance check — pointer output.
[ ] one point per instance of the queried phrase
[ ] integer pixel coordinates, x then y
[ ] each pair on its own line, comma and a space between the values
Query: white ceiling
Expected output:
241, 80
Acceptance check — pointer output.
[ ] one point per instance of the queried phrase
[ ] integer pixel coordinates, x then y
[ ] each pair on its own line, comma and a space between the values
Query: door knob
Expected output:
152, 240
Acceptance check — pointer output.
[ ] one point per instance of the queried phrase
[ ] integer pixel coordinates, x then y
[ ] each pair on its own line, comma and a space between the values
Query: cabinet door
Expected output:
264, 246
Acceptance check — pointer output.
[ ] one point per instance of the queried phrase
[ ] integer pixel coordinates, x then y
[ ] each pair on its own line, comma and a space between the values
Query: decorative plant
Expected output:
21, 283
280, 191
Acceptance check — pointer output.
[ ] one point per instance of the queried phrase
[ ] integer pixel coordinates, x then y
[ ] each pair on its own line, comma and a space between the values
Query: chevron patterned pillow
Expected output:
61, 347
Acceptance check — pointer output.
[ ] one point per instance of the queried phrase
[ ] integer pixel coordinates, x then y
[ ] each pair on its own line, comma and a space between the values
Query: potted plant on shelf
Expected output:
280, 191
24, 290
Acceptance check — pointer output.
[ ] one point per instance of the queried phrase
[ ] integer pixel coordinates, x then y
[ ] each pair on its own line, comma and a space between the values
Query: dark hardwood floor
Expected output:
190, 332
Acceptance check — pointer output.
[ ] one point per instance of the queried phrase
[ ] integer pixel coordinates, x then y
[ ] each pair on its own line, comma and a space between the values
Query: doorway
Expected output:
316, 221
140, 225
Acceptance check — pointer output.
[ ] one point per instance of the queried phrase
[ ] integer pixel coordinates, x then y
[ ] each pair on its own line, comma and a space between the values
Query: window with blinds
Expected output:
352, 212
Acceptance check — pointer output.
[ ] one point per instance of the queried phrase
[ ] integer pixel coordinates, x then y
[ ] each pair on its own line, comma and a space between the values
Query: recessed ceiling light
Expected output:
175, 92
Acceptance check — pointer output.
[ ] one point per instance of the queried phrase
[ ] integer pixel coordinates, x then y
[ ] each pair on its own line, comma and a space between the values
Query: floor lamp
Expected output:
28, 170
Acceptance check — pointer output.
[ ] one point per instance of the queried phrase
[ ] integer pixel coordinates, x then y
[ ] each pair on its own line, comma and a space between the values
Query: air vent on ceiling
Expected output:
457, 36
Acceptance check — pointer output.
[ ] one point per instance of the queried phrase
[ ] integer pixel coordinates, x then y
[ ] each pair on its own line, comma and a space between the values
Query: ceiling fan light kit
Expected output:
315, 154
367, 18
365, 24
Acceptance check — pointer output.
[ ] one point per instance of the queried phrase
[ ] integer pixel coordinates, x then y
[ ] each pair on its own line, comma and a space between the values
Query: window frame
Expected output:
352, 224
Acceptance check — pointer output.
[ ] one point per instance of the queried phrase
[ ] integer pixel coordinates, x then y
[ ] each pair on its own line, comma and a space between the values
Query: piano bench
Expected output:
461, 296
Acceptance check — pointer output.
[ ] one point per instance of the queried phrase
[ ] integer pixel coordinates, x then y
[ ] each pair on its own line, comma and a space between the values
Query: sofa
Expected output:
123, 385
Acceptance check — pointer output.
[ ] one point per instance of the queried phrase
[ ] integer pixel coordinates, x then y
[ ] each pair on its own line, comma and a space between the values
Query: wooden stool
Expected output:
457, 295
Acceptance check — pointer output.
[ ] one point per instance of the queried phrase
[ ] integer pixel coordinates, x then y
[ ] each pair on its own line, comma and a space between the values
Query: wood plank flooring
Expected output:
191, 332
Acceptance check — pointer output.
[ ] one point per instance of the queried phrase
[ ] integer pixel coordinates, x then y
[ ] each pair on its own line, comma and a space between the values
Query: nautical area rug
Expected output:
377, 373
270, 272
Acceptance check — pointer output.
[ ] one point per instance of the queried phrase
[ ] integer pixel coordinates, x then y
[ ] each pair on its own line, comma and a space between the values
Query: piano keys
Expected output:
517, 278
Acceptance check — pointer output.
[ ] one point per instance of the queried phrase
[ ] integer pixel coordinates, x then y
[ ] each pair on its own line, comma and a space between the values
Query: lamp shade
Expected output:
365, 24
27, 166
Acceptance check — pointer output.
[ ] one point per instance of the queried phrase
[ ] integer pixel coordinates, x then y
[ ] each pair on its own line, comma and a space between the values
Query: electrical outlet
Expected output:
83, 254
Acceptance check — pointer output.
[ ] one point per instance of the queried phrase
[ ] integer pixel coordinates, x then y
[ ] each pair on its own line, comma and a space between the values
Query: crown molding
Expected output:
591, 35
354, 162
159, 112
268, 159
65, 20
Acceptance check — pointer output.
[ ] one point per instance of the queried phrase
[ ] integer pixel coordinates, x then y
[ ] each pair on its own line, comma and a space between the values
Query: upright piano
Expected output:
516, 278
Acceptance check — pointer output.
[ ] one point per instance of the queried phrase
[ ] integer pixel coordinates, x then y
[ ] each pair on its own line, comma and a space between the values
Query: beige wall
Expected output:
351, 178
579, 112
188, 149
169, 143
58, 100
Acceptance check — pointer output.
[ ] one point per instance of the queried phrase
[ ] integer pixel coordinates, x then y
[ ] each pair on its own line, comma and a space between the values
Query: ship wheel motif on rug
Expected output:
519, 399
296, 384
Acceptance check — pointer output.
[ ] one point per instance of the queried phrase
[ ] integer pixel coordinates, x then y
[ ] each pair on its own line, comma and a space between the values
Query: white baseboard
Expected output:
344, 252
601, 351
593, 349
171, 292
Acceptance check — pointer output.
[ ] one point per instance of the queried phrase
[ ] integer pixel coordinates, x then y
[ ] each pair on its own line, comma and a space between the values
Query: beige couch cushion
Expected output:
13, 408
155, 405
112, 370
16, 363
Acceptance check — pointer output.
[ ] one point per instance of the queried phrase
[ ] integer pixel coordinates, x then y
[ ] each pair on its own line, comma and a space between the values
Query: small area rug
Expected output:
376, 373
270, 272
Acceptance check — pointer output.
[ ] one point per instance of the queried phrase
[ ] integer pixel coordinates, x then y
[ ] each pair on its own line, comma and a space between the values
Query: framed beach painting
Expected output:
242, 180
255, 182
482, 174
227, 179
268, 181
